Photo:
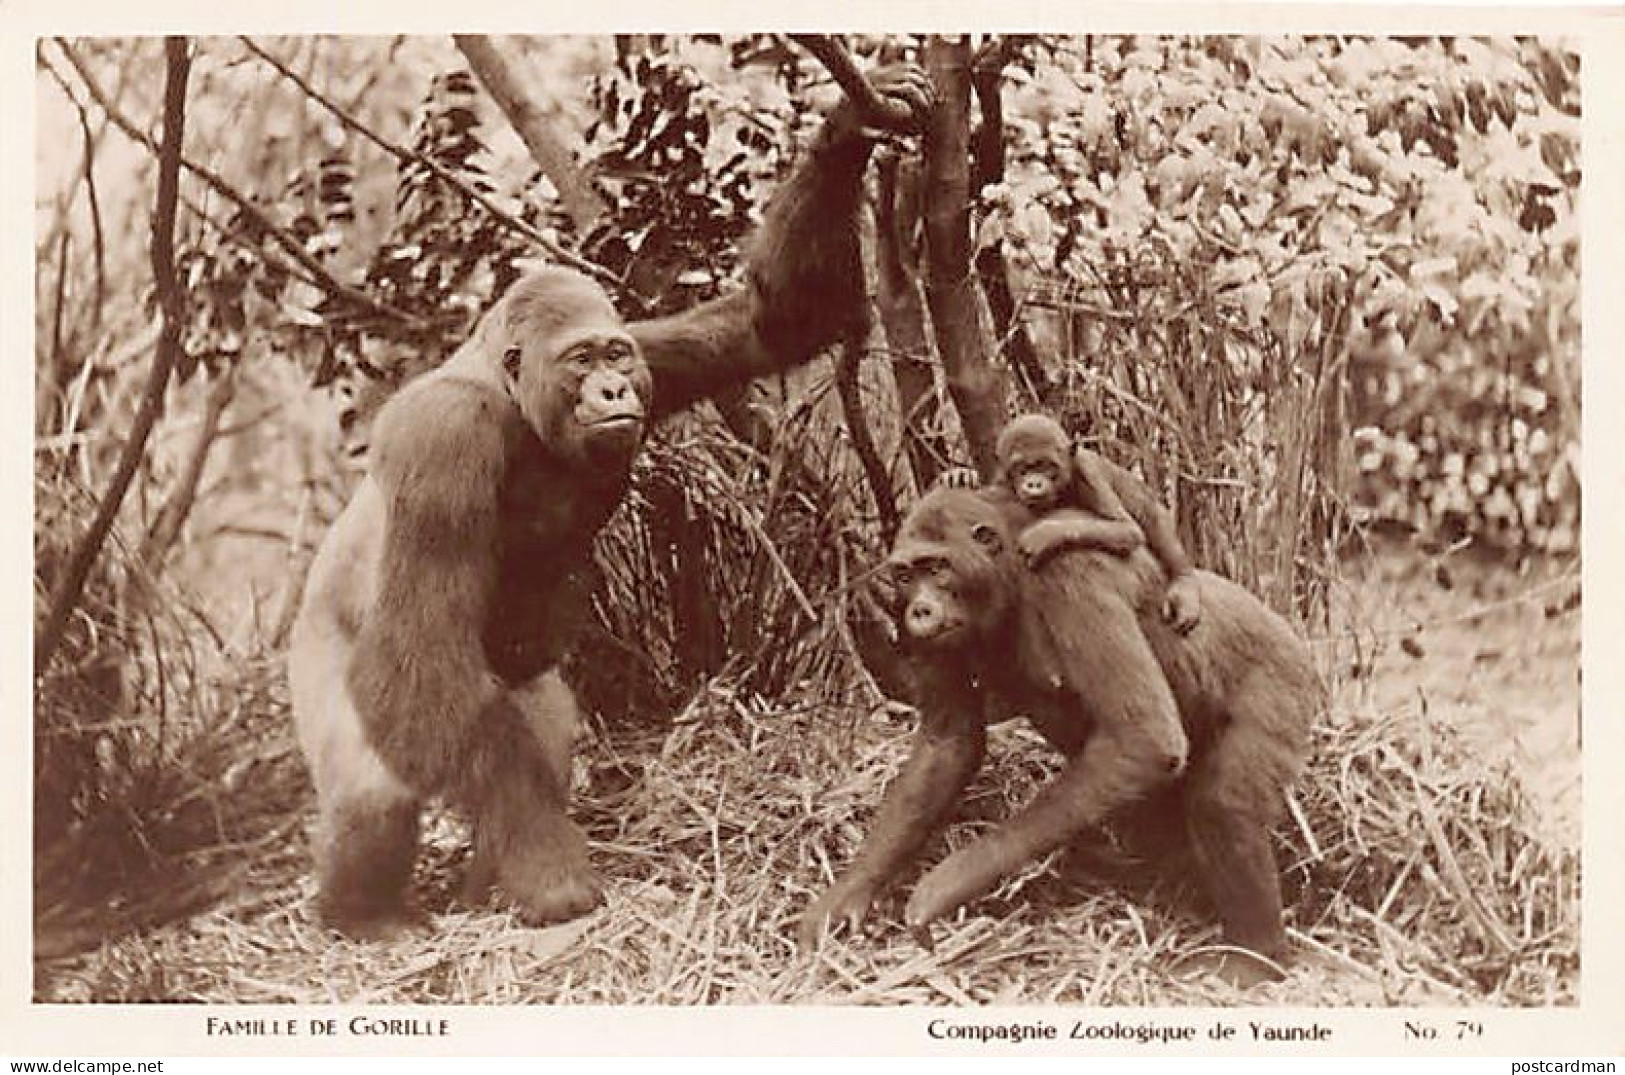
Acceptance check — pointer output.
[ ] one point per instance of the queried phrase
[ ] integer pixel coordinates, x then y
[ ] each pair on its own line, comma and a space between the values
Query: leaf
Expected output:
301, 316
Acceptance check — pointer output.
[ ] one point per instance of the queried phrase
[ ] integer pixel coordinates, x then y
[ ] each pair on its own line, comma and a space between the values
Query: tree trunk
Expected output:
976, 387
990, 264
902, 316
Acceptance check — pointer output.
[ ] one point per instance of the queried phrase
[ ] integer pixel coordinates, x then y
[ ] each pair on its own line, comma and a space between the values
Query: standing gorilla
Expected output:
424, 661
1210, 727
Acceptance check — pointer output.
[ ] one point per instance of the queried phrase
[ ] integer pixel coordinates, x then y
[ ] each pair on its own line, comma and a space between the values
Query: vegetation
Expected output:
1321, 292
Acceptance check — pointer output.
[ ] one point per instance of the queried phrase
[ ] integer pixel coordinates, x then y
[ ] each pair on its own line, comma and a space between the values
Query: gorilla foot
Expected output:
1241, 968
555, 893
369, 923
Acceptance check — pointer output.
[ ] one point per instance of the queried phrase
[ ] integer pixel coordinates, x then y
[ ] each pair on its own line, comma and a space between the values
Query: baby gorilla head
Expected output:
1035, 461
952, 572
571, 366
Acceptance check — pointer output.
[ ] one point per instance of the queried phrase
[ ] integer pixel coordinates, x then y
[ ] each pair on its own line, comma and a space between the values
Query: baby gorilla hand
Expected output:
1182, 606
957, 478
1044, 539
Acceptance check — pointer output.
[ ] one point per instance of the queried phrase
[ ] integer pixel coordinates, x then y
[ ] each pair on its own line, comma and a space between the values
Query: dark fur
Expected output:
1219, 718
494, 490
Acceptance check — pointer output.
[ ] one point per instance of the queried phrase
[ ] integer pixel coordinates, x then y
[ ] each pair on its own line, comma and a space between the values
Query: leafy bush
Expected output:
1372, 233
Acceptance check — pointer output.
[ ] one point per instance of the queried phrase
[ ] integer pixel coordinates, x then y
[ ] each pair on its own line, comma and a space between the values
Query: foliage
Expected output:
1237, 228
682, 160
1299, 284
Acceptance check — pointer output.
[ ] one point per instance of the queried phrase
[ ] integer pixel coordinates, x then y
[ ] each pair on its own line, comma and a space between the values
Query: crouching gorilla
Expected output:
424, 661
1213, 725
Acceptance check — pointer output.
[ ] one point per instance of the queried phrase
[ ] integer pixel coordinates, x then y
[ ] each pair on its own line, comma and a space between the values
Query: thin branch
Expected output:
440, 172
849, 387
166, 528
63, 248
87, 176
95, 216
288, 242
171, 302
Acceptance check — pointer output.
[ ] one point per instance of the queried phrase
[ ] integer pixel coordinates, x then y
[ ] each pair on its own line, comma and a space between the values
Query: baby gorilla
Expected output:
1081, 500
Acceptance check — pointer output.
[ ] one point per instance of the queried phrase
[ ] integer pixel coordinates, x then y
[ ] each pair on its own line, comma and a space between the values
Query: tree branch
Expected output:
290, 244
873, 109
166, 528
849, 387
442, 173
95, 216
66, 598
902, 315
576, 194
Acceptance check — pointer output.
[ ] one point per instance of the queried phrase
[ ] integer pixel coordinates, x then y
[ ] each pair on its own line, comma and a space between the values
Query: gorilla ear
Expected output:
511, 359
988, 538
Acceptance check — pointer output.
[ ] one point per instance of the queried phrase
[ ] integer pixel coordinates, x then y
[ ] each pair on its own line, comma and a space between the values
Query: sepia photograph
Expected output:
968, 522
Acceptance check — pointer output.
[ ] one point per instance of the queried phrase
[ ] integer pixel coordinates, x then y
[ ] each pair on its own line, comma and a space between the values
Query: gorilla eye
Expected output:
987, 537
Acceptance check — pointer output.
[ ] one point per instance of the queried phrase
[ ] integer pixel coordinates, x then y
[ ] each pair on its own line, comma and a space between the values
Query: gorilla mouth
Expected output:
615, 421
944, 636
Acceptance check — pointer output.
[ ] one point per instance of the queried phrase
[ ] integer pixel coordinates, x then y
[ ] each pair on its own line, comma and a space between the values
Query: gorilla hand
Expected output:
903, 84
954, 881
1182, 606
958, 478
843, 906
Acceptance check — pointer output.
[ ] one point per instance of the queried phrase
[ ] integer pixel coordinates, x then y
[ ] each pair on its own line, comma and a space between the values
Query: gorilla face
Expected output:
1035, 455
574, 370
950, 572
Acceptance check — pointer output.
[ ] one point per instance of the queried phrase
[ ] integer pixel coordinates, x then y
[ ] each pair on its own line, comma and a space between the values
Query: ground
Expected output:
1432, 856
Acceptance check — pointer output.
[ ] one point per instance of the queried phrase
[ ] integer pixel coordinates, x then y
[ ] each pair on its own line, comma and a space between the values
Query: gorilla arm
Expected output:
1182, 607
946, 752
804, 270
420, 678
1098, 520
1135, 740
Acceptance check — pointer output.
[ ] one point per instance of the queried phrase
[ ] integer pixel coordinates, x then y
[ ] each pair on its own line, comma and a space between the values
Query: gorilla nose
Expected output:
609, 397
922, 619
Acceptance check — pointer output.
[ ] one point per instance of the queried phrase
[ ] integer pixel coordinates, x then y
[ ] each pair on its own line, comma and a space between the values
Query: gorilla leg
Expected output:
550, 707
367, 829
1233, 794
550, 711
368, 843
367, 837
1238, 868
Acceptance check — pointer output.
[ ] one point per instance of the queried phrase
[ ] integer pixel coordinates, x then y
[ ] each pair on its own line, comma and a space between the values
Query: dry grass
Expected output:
1419, 870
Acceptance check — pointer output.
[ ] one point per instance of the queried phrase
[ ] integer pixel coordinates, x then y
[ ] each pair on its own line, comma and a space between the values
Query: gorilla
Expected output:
424, 660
